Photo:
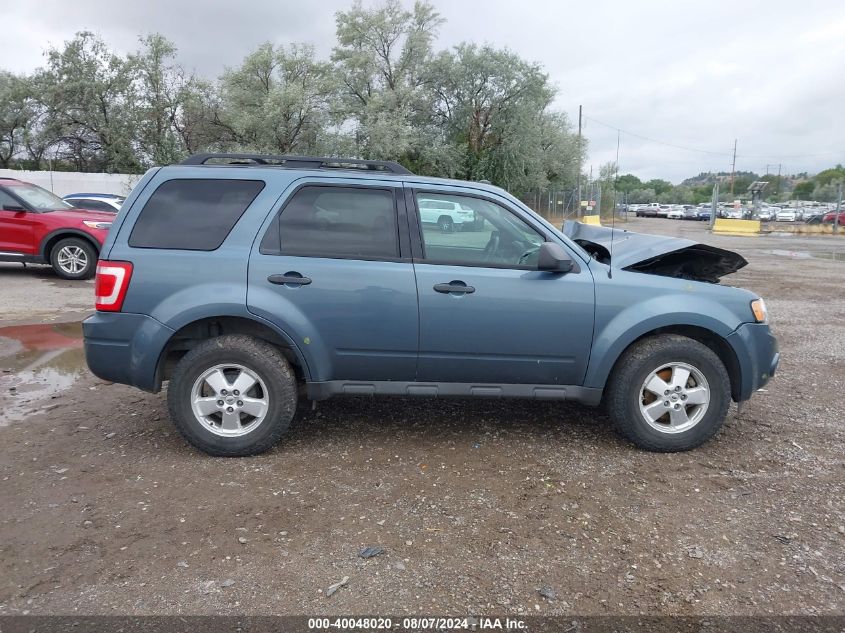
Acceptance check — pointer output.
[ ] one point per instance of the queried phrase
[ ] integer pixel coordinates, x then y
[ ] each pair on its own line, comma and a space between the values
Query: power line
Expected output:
707, 151
653, 140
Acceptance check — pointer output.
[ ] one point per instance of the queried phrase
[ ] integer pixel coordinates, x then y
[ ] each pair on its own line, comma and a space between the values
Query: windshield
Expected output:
40, 199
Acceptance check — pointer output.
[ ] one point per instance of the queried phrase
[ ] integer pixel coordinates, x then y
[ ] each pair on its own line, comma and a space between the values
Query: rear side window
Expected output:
343, 222
193, 214
92, 205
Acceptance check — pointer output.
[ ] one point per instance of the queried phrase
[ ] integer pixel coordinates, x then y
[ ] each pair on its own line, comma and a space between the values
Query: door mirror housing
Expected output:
13, 207
554, 258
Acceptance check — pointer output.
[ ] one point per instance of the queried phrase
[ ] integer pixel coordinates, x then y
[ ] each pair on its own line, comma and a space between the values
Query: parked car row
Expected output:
766, 213
671, 211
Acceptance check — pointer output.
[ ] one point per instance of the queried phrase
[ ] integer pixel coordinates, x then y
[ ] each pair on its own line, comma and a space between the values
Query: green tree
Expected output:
380, 61
163, 88
493, 107
830, 175
628, 182
89, 94
804, 190
276, 101
642, 196
659, 186
17, 111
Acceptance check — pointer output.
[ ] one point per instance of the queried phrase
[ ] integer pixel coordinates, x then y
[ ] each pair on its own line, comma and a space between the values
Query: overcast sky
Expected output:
685, 73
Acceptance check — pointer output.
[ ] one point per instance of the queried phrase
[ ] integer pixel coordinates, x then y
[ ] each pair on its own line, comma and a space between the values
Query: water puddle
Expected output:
836, 257
37, 362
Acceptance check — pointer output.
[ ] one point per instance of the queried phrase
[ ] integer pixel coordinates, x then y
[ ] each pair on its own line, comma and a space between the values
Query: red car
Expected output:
39, 227
829, 218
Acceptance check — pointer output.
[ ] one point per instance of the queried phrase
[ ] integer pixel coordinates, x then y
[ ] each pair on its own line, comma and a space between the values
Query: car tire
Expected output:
634, 409
446, 224
209, 374
74, 258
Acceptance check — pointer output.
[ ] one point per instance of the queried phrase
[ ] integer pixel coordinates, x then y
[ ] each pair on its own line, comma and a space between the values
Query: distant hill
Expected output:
710, 178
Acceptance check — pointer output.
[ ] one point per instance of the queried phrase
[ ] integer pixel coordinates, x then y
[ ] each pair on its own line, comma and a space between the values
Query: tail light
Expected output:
111, 284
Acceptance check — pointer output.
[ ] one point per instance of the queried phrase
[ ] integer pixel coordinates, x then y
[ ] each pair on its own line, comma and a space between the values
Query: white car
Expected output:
676, 213
444, 213
766, 213
786, 215
95, 201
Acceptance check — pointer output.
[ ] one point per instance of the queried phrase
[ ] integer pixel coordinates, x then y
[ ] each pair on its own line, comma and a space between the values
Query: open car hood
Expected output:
654, 254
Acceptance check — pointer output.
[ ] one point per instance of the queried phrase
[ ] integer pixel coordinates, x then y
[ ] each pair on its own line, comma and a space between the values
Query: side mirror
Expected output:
13, 207
554, 258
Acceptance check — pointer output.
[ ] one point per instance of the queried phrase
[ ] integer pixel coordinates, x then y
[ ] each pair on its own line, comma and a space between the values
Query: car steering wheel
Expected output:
523, 259
492, 246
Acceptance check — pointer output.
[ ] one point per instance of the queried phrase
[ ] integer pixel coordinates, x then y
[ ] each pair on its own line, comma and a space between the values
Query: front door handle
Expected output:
289, 279
456, 287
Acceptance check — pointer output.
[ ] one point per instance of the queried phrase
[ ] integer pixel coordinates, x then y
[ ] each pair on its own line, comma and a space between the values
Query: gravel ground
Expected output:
477, 505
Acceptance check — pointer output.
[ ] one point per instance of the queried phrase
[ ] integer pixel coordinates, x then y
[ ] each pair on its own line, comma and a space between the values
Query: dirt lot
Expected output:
476, 504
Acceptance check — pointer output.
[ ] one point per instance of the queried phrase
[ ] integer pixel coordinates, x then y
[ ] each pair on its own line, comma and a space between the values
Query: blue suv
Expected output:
249, 281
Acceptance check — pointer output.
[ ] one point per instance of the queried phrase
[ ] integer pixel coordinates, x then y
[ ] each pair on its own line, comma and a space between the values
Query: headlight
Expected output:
96, 225
758, 307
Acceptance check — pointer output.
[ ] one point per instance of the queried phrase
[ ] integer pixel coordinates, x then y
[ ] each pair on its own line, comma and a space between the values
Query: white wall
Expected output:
63, 183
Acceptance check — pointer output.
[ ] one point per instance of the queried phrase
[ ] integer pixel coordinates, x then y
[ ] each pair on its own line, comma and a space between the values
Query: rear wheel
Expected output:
74, 258
446, 224
232, 396
668, 393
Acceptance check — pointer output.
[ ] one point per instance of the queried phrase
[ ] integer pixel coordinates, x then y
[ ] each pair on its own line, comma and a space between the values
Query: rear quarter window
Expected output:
193, 214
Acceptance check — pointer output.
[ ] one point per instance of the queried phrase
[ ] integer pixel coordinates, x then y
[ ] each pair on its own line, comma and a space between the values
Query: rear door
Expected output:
487, 315
332, 268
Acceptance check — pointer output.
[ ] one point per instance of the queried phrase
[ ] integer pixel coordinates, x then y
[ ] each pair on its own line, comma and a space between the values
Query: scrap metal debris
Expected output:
370, 551
332, 588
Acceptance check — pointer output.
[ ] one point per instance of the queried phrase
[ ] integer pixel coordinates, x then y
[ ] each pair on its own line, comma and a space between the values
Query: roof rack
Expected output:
295, 162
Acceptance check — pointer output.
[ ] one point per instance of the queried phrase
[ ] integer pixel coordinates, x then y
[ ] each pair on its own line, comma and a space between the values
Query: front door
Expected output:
486, 313
333, 270
17, 227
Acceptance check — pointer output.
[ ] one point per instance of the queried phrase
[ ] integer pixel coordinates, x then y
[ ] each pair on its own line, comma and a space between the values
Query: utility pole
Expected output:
578, 203
733, 170
715, 204
616, 177
777, 187
838, 209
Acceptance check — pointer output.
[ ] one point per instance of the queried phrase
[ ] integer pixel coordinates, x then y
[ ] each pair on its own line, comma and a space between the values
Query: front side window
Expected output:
6, 199
193, 214
341, 222
469, 231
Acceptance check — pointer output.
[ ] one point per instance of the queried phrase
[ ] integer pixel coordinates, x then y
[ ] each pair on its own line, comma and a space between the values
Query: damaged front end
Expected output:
654, 254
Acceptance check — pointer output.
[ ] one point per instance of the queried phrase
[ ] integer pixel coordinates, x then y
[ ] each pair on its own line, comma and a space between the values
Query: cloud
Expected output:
768, 73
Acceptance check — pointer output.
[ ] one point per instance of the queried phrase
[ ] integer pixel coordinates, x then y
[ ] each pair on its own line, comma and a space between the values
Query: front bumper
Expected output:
756, 350
125, 348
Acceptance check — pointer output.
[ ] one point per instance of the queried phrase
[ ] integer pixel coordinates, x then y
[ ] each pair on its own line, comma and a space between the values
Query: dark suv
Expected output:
240, 278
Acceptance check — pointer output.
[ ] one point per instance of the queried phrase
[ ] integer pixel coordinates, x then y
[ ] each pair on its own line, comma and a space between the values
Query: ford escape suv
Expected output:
246, 281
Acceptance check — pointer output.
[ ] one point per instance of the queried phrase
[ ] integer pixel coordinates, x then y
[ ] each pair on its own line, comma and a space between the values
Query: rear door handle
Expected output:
290, 279
457, 287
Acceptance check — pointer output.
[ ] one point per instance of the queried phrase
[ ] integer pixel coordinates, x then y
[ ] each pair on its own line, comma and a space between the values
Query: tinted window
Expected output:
339, 222
92, 205
194, 215
476, 233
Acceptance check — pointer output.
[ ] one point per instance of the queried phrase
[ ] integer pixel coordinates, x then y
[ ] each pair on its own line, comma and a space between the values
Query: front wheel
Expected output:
446, 224
232, 396
74, 258
668, 393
